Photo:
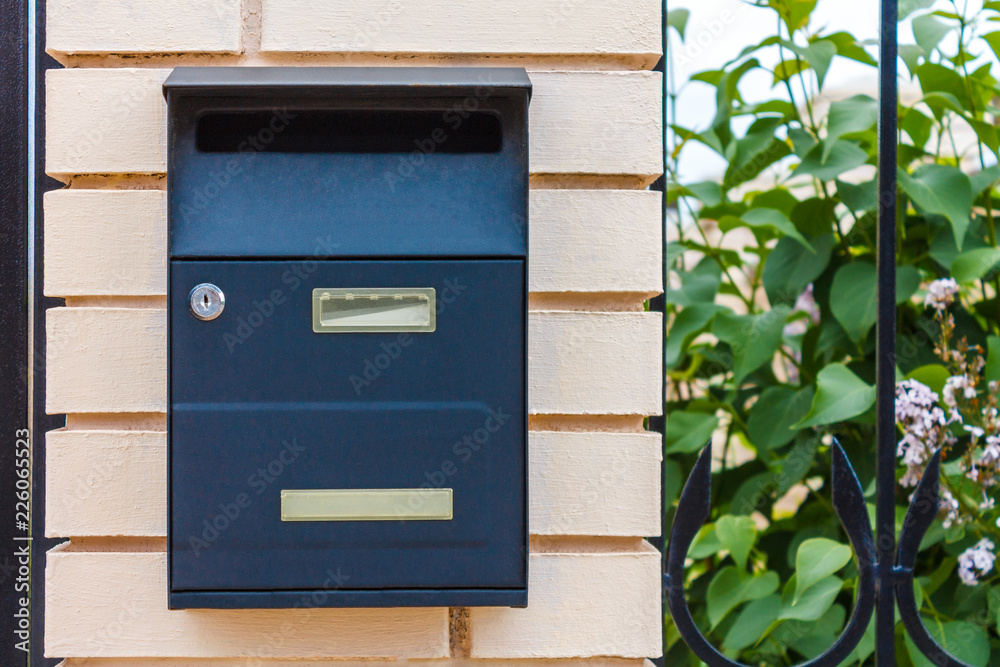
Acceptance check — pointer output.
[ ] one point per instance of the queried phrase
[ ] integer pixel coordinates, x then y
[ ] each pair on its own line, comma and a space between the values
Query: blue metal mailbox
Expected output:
347, 336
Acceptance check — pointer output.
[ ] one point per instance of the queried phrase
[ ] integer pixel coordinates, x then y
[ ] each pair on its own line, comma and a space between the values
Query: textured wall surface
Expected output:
594, 354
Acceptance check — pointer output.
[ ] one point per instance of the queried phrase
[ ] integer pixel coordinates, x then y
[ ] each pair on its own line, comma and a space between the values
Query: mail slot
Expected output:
347, 306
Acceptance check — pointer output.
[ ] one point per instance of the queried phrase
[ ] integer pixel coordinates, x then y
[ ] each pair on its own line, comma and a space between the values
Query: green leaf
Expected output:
986, 178
941, 102
843, 156
987, 133
776, 220
907, 282
674, 250
705, 543
935, 78
754, 338
929, 31
778, 198
797, 463
840, 395
942, 247
788, 270
783, 108
730, 588
802, 141
816, 560
907, 7
992, 370
707, 192
814, 216
812, 603
678, 20
689, 322
752, 623
723, 594
859, 198
966, 641
910, 54
855, 114
941, 190
974, 264
917, 125
795, 13
757, 150
848, 47
771, 418
699, 285
811, 638
673, 482
737, 534
993, 40
688, 431
819, 55
864, 648
852, 298
932, 375
727, 92
786, 69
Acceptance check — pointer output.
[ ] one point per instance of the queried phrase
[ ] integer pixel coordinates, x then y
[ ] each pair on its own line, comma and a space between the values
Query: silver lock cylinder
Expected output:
206, 301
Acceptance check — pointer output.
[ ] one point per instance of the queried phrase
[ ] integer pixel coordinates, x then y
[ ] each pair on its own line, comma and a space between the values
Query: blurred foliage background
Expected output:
771, 314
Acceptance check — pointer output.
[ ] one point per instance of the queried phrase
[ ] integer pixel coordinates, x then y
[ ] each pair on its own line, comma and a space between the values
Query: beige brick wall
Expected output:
594, 354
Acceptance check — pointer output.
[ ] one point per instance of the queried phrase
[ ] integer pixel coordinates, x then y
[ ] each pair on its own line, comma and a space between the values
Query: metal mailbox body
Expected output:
347, 419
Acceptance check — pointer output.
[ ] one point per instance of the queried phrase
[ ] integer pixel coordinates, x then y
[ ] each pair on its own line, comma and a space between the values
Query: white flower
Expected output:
941, 294
920, 419
991, 453
963, 382
912, 477
979, 557
983, 557
975, 431
912, 398
950, 505
968, 577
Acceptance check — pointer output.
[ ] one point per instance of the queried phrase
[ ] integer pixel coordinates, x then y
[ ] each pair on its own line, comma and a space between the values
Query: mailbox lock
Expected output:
207, 301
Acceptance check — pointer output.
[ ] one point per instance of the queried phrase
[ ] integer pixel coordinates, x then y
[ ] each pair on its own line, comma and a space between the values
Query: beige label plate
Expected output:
366, 505
374, 310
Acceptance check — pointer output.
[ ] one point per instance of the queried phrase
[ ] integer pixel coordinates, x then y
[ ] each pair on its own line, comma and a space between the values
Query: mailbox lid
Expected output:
347, 162
260, 403
268, 82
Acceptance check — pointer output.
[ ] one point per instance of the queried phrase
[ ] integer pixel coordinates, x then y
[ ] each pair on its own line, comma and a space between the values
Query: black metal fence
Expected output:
885, 568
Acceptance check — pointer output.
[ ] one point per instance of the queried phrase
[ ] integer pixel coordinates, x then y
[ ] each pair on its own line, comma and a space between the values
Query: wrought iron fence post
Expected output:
885, 350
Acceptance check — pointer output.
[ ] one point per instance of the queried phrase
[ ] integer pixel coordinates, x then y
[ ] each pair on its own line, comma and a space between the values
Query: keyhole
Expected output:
206, 301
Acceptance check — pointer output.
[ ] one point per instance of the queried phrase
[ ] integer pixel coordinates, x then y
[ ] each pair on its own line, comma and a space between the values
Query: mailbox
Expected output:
347, 336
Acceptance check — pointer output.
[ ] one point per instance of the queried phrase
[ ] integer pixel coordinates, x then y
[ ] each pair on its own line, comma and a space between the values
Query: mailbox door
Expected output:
261, 403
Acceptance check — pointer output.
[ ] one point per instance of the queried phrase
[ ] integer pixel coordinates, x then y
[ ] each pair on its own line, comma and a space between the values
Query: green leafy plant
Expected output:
771, 320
